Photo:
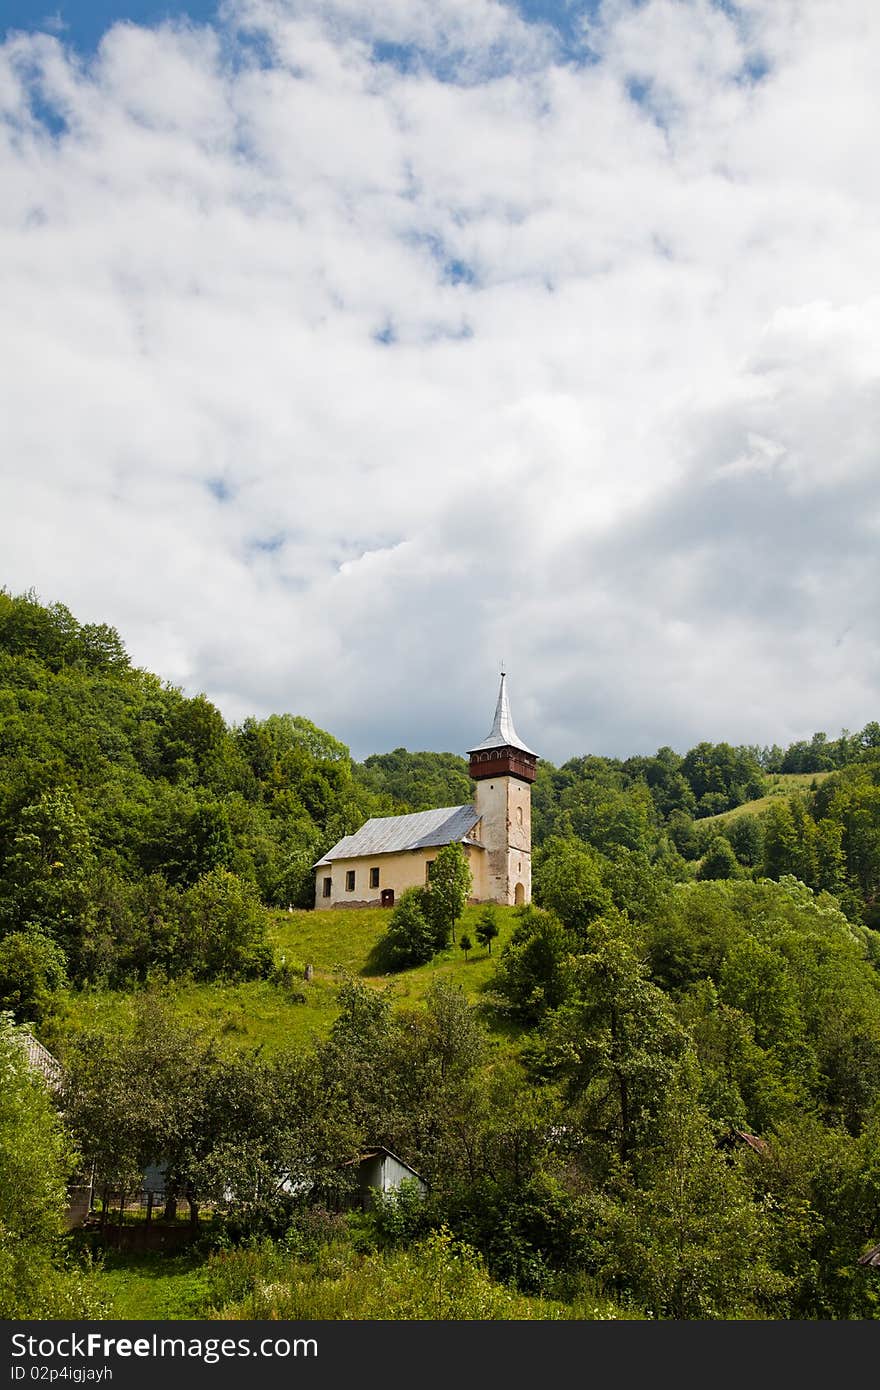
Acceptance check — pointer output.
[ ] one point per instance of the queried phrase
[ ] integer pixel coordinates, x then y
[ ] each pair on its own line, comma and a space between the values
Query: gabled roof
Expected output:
380, 1151
754, 1141
419, 830
502, 733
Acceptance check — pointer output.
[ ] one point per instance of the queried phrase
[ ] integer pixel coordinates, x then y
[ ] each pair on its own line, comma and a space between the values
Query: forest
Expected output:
652, 1093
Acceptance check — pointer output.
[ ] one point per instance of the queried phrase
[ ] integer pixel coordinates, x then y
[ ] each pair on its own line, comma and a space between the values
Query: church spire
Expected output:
503, 751
503, 734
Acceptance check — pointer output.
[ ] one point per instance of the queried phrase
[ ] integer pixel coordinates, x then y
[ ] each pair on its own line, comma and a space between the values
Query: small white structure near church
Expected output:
390, 853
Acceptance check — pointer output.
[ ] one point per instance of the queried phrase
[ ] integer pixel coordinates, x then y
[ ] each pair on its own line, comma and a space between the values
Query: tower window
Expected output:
328, 887
349, 880
374, 878
519, 815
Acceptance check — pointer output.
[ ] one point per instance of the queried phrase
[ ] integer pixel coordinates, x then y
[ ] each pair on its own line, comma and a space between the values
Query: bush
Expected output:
33, 968
36, 1161
225, 929
410, 938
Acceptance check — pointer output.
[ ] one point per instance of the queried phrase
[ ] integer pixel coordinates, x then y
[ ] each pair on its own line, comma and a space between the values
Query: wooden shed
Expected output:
380, 1170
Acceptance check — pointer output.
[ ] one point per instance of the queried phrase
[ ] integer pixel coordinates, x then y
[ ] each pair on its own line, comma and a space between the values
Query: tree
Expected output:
746, 835
719, 860
689, 1239
432, 1089
32, 971
353, 1062
568, 881
781, 847
639, 886
448, 888
37, 1159
722, 777
758, 979
451, 1029
224, 929
466, 944
125, 1094
487, 926
615, 1042
821, 1192
683, 834
47, 875
419, 781
535, 969
101, 647
741, 1085
194, 733
410, 938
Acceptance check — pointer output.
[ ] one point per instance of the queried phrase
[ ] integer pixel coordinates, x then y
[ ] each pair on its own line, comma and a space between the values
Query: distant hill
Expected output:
140, 832
778, 784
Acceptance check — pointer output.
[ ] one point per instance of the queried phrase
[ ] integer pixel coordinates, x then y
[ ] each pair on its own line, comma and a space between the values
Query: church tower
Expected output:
503, 768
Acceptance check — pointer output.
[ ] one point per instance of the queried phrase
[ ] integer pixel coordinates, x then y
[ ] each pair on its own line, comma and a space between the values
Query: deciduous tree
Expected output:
448, 888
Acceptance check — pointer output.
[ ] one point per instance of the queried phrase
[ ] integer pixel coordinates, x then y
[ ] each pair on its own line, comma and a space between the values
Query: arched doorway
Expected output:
519, 895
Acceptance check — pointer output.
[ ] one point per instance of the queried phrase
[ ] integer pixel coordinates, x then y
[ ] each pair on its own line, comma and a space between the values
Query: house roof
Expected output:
378, 1151
41, 1059
502, 734
754, 1141
418, 830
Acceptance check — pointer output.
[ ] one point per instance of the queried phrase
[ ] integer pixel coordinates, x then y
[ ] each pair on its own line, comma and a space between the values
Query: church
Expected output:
390, 853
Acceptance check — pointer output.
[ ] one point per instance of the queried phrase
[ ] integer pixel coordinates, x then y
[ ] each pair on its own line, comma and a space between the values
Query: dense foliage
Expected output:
36, 1160
668, 1102
138, 831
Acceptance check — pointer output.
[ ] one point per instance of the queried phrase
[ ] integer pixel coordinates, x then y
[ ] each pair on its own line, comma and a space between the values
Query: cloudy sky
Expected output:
353, 347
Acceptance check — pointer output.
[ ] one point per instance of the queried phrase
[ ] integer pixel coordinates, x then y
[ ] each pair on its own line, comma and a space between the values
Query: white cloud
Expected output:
332, 382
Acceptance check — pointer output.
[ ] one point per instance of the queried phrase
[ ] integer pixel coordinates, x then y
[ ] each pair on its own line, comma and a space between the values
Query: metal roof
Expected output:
377, 1151
502, 733
419, 830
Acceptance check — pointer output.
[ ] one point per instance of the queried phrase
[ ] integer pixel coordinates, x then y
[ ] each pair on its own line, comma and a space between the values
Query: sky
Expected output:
352, 348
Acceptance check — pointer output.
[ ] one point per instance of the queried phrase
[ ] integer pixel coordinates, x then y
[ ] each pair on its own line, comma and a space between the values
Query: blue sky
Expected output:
354, 346
83, 22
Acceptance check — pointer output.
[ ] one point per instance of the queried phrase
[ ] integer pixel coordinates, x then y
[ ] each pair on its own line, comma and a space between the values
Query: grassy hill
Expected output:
778, 784
336, 944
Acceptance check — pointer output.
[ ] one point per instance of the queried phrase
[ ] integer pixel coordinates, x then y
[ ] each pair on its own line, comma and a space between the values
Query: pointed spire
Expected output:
502, 733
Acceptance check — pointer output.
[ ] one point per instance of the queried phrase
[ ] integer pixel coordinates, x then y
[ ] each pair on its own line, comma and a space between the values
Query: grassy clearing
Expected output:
336, 943
778, 784
152, 1286
436, 1279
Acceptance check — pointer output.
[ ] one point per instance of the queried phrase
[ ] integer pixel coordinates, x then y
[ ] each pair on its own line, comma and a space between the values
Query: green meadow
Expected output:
778, 784
338, 944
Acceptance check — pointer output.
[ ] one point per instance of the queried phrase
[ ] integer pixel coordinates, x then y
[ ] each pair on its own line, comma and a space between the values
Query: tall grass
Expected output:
441, 1278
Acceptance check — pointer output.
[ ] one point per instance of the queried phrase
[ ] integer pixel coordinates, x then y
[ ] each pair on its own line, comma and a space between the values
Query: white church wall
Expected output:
405, 869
